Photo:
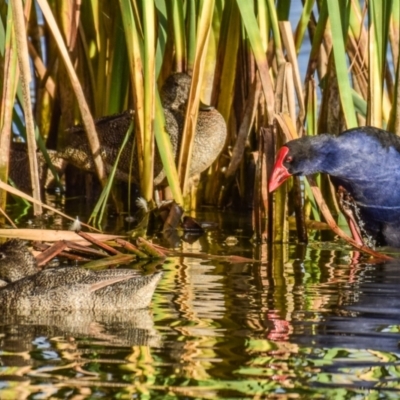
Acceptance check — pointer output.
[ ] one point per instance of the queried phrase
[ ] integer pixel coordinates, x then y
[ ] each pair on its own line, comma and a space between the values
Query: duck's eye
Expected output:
289, 159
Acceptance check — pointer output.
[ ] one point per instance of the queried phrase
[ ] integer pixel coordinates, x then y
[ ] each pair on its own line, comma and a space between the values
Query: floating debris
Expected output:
76, 226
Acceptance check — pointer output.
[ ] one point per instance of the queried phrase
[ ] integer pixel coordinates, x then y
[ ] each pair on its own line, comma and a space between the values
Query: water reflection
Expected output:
306, 321
67, 349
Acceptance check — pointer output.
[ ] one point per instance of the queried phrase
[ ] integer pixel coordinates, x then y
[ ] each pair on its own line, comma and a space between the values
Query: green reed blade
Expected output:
341, 63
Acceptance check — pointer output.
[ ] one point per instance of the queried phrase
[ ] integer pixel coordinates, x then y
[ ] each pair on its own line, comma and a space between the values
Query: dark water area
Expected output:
312, 321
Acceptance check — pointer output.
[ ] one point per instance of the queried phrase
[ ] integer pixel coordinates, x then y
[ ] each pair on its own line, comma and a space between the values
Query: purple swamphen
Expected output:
364, 162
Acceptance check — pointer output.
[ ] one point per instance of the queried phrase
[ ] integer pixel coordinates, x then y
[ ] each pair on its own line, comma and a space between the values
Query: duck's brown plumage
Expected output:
67, 288
208, 142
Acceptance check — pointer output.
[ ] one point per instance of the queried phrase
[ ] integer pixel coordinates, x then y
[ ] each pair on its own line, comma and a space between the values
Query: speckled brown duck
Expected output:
19, 171
208, 142
25, 287
16, 261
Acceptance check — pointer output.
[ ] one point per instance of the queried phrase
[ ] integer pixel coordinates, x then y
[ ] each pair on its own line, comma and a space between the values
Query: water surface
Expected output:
310, 321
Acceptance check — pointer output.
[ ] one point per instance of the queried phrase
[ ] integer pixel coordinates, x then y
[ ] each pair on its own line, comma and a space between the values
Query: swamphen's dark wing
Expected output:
365, 161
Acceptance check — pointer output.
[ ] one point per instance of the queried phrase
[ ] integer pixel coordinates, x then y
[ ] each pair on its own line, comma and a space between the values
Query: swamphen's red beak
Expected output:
279, 173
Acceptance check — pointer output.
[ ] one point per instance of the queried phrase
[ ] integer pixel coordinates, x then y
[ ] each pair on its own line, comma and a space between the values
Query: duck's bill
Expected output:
279, 174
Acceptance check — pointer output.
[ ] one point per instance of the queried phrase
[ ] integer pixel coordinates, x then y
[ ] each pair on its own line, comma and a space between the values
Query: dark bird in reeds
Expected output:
25, 287
208, 143
364, 163
19, 171
209, 138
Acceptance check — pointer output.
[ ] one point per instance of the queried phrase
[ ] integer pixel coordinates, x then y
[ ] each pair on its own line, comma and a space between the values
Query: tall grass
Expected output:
102, 57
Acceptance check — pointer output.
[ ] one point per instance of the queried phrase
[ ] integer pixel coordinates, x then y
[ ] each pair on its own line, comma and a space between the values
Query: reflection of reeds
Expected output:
101, 59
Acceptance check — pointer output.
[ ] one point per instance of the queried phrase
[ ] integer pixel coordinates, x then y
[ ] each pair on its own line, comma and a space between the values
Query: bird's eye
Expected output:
289, 159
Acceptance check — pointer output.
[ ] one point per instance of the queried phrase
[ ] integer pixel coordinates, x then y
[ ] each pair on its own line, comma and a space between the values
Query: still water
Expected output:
310, 321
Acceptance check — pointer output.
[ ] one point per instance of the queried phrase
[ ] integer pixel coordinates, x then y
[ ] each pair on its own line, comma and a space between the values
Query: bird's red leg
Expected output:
343, 197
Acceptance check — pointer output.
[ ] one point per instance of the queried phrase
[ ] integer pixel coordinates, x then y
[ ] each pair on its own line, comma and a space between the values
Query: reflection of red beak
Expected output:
279, 173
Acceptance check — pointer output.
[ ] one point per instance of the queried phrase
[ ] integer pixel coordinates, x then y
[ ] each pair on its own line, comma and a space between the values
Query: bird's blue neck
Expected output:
365, 168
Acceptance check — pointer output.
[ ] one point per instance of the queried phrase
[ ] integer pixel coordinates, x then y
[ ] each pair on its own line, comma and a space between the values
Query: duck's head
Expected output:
175, 91
16, 261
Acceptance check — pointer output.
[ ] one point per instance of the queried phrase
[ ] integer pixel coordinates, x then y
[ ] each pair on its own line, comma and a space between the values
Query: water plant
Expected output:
67, 62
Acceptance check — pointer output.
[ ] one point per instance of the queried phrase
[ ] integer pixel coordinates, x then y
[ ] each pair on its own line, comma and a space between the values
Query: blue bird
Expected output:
365, 162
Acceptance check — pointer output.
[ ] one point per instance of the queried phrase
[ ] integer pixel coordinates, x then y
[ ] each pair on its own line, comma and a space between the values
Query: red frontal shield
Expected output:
279, 173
